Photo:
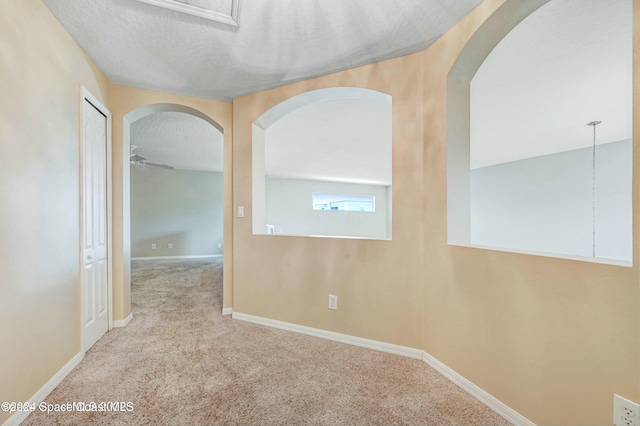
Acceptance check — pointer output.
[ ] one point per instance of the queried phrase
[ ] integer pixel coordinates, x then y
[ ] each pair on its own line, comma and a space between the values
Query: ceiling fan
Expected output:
140, 162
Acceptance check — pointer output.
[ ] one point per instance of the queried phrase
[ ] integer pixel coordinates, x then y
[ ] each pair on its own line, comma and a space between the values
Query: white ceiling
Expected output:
344, 140
566, 65
179, 140
277, 42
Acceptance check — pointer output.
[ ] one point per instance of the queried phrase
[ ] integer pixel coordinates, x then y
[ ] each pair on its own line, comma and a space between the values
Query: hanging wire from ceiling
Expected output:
593, 201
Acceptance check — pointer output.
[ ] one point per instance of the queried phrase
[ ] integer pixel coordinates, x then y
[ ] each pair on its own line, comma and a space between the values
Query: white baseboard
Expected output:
123, 322
44, 391
204, 256
227, 311
330, 335
489, 400
478, 393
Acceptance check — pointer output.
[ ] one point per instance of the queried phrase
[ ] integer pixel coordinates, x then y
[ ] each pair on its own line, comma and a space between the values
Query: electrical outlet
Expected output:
625, 412
219, 245
170, 245
240, 211
333, 302
153, 246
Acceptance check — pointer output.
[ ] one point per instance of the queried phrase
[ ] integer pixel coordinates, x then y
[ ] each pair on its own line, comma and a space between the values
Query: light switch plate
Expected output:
333, 302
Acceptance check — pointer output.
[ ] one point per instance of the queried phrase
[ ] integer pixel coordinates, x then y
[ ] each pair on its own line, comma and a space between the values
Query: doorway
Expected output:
128, 129
176, 187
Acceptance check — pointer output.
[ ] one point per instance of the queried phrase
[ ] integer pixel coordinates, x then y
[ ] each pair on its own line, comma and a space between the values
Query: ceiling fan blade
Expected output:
137, 158
162, 166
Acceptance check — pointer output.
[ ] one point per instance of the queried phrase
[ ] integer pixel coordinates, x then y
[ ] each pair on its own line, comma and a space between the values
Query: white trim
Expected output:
123, 322
477, 392
87, 96
227, 311
330, 335
205, 256
19, 416
605, 261
230, 18
487, 399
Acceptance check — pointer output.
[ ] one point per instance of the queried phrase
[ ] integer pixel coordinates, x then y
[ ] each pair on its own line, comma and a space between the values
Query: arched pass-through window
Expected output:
322, 165
526, 171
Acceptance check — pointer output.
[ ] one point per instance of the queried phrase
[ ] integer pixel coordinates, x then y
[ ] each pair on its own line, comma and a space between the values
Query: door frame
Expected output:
87, 96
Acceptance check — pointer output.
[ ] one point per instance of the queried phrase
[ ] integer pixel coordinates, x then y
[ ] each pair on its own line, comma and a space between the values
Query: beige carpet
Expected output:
180, 361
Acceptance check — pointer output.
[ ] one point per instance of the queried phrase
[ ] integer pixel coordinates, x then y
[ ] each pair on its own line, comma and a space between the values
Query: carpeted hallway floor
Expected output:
180, 362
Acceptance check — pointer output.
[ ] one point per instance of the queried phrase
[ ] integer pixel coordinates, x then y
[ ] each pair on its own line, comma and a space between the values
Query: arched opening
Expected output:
168, 110
520, 167
322, 165
176, 187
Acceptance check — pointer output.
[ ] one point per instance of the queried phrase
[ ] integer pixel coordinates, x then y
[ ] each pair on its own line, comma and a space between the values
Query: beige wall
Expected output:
124, 100
379, 284
40, 77
552, 338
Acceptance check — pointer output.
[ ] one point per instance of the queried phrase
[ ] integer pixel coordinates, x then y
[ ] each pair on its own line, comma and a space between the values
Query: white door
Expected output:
95, 306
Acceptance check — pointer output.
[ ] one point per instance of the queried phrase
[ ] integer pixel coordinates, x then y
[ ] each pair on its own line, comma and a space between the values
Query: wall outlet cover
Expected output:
625, 412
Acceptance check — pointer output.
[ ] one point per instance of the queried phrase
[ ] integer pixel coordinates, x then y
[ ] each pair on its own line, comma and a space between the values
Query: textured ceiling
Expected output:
346, 140
179, 140
277, 42
567, 64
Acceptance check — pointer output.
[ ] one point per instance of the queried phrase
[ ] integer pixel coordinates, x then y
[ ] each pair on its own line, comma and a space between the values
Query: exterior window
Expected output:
338, 202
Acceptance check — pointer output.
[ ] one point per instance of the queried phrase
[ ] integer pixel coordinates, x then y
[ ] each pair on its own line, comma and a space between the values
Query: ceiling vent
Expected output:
224, 11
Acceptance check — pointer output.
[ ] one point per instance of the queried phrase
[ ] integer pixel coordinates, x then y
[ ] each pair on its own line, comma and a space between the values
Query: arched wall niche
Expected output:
282, 195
